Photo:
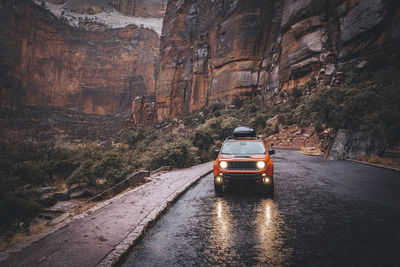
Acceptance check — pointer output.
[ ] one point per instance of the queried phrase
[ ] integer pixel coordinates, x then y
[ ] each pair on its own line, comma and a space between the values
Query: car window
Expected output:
243, 147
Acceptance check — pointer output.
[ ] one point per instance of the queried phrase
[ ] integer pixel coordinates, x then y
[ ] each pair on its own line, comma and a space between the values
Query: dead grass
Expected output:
312, 151
35, 228
387, 162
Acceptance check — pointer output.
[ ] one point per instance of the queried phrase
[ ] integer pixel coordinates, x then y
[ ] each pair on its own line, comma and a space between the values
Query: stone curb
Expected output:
375, 165
162, 169
117, 255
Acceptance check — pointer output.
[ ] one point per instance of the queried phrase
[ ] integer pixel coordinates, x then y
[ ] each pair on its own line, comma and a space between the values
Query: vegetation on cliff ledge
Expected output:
52, 147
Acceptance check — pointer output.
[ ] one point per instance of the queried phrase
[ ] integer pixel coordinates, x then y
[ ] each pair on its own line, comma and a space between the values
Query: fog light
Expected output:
263, 174
266, 180
218, 179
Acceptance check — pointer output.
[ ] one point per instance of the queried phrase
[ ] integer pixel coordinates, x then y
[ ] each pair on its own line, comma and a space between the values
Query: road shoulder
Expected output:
114, 226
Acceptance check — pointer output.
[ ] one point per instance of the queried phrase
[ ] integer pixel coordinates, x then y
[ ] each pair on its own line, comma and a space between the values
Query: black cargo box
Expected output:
244, 131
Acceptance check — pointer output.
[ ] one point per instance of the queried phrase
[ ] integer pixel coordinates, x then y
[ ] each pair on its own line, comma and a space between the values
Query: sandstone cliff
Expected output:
212, 51
90, 68
139, 8
142, 8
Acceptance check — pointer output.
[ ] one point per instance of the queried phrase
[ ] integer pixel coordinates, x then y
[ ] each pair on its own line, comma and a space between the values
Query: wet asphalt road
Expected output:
323, 213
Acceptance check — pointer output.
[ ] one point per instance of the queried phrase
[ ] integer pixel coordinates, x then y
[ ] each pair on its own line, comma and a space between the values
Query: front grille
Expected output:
242, 166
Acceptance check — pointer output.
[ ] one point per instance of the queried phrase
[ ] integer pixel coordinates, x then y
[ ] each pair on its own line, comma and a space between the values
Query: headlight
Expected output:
260, 164
223, 164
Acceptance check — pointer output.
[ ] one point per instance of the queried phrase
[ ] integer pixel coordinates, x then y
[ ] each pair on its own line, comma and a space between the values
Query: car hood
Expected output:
231, 157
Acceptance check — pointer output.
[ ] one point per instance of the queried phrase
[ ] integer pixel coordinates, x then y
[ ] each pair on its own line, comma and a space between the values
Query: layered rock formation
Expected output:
92, 68
213, 51
141, 8
138, 8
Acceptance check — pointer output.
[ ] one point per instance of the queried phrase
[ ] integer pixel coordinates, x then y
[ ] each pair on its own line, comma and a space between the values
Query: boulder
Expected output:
61, 196
45, 190
348, 145
78, 194
47, 200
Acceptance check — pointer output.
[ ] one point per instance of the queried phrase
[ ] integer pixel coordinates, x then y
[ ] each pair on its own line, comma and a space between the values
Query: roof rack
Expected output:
244, 131
243, 138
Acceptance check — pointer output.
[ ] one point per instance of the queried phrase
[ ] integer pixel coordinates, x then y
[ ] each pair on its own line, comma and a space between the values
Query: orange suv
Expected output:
244, 158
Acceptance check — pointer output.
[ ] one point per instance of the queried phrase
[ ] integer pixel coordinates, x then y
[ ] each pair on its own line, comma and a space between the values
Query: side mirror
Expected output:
271, 151
216, 152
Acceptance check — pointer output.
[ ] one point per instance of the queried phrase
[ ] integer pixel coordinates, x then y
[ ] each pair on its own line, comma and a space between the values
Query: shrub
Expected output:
253, 108
131, 137
217, 113
112, 167
369, 105
177, 155
216, 107
17, 206
296, 93
31, 172
318, 127
258, 122
208, 134
237, 102
328, 80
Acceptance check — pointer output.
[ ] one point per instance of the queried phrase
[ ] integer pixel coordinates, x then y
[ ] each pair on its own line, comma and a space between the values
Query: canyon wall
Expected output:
215, 50
138, 8
91, 68
79, 56
142, 8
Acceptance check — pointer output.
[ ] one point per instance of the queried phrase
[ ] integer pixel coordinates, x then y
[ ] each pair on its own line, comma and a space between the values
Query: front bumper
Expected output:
233, 178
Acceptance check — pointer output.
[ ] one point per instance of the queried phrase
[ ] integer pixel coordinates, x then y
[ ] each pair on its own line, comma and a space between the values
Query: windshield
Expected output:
243, 147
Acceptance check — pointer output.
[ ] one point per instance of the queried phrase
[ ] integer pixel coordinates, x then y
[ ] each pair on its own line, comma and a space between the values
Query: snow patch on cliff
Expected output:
112, 19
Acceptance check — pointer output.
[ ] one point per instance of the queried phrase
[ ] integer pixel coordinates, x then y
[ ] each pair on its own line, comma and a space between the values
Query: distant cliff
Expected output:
83, 55
213, 51
45, 61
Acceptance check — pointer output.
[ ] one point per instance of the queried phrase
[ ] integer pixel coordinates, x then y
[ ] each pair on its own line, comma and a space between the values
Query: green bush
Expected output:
177, 155
370, 105
296, 93
112, 167
258, 122
253, 108
31, 172
237, 102
208, 134
17, 206
216, 107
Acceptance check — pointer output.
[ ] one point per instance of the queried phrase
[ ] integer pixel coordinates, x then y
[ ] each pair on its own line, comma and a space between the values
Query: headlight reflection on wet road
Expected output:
247, 230
268, 225
222, 226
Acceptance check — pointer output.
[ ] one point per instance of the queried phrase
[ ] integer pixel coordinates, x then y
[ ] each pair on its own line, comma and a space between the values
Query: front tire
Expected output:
218, 189
268, 190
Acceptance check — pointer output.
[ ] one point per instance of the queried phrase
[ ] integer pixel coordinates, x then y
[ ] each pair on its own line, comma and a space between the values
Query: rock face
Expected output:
348, 145
210, 51
93, 69
141, 8
213, 51
138, 8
